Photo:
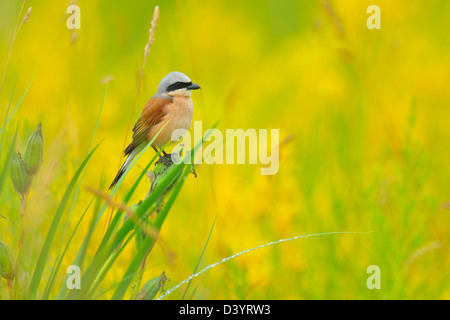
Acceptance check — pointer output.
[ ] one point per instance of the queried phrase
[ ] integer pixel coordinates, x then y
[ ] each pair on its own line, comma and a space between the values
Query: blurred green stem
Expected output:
11, 292
16, 30
23, 207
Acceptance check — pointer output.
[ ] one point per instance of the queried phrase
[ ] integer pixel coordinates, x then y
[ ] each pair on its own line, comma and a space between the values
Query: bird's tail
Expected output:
126, 164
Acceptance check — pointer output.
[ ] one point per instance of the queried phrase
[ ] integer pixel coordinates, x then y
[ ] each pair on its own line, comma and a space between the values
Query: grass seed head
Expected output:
27, 15
19, 175
151, 38
33, 152
7, 266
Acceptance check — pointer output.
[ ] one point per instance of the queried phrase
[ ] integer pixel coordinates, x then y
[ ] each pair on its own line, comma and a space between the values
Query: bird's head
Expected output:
177, 84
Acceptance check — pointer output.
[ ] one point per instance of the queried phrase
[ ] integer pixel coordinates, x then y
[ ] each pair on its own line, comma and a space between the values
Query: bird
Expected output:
171, 106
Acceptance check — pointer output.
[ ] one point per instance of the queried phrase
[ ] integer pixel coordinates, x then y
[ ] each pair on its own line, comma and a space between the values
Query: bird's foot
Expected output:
166, 159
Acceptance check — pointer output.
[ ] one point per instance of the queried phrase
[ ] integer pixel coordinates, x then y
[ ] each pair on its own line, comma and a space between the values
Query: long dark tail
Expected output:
126, 164
119, 175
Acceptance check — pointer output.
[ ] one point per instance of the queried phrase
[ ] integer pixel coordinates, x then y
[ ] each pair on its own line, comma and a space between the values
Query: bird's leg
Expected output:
160, 156
165, 158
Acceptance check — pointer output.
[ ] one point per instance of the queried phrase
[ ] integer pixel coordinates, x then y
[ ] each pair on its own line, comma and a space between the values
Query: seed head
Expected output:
27, 15
7, 266
19, 175
33, 152
151, 32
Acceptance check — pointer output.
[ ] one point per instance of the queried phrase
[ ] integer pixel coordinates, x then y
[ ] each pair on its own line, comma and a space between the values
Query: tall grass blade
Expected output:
108, 265
6, 116
148, 242
5, 169
17, 105
77, 189
201, 256
49, 286
108, 248
42, 260
80, 255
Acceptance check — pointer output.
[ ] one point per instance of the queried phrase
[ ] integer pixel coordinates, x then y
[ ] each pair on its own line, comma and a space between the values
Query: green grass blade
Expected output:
148, 242
77, 189
201, 256
108, 265
40, 265
206, 244
17, 105
49, 286
172, 174
5, 169
82, 250
6, 117
106, 249
80, 254
108, 246
117, 217
110, 230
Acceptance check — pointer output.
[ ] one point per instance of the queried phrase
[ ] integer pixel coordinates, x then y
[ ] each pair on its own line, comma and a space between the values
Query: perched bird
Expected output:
172, 104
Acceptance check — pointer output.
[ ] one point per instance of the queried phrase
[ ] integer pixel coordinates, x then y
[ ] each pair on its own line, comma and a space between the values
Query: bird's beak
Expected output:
193, 86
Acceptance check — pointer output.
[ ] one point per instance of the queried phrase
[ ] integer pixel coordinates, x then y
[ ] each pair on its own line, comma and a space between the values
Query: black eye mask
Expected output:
178, 85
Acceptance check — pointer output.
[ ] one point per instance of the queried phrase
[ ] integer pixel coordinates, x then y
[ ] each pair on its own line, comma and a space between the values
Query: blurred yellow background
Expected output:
364, 137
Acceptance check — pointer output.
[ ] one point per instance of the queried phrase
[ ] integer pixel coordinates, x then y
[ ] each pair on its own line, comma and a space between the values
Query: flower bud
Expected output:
33, 152
7, 268
19, 175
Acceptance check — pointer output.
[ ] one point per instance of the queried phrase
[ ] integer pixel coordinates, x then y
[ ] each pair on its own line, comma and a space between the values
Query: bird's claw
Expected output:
166, 159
